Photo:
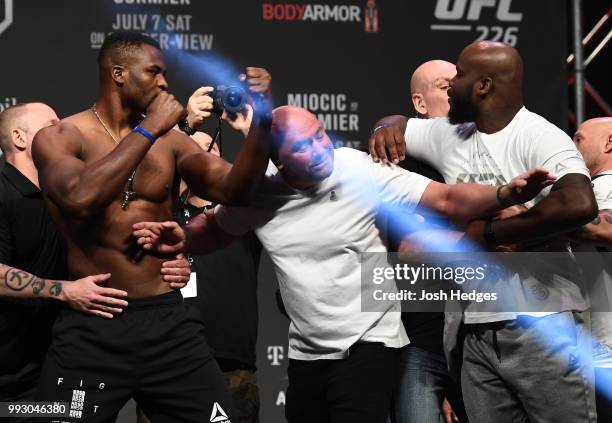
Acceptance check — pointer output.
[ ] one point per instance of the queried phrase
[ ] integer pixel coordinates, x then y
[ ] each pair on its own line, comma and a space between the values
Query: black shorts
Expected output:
154, 351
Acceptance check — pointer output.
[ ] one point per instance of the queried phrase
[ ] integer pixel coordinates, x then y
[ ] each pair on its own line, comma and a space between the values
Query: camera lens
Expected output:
233, 99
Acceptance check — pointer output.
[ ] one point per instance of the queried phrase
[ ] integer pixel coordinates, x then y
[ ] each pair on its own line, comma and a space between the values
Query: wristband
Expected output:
144, 133
184, 126
489, 236
504, 202
381, 126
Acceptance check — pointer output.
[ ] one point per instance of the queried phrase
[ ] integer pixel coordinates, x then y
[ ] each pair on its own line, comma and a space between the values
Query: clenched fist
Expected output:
163, 113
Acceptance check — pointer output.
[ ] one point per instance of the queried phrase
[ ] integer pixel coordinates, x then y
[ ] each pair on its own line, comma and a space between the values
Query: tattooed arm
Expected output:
598, 232
84, 294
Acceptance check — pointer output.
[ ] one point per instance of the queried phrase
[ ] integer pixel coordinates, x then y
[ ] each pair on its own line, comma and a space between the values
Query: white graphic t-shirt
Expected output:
463, 156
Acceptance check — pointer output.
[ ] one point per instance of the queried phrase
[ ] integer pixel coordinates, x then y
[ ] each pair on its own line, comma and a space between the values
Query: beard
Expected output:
462, 110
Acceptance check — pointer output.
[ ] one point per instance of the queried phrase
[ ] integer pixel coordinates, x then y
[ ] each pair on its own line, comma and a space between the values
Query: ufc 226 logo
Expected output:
466, 12
6, 14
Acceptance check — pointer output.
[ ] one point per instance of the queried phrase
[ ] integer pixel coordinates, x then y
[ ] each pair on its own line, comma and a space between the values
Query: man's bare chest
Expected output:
153, 178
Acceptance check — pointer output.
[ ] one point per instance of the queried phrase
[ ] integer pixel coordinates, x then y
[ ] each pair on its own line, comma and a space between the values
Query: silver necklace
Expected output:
128, 190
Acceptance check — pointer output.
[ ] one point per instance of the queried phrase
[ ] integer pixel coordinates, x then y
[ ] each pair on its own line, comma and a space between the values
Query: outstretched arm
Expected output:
464, 202
569, 205
82, 189
84, 295
216, 180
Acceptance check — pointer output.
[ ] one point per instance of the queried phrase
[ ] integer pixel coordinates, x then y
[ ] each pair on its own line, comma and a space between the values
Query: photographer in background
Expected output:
224, 292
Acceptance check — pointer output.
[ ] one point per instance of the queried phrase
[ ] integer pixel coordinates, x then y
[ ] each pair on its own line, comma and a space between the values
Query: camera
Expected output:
231, 99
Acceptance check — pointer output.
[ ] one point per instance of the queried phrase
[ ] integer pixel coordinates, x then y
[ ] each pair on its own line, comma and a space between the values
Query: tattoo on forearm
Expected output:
16, 280
56, 289
597, 228
38, 285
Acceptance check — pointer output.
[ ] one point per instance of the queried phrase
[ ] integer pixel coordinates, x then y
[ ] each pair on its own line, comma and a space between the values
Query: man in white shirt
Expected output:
315, 213
529, 377
423, 375
594, 140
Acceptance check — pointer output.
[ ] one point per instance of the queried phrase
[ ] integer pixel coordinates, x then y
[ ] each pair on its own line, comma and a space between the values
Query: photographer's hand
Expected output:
240, 121
258, 79
199, 106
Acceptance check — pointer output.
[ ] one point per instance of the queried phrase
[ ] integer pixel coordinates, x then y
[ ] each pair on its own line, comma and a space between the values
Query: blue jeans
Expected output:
422, 385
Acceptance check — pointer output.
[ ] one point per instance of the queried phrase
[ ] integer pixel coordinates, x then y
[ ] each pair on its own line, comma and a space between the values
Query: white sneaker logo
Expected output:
218, 415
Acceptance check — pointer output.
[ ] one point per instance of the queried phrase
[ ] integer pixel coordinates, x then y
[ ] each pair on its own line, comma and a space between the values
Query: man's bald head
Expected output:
428, 88
488, 82
594, 141
500, 61
12, 117
290, 119
20, 123
301, 149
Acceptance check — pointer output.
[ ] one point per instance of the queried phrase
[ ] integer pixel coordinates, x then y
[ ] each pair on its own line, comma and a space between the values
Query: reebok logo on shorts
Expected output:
218, 415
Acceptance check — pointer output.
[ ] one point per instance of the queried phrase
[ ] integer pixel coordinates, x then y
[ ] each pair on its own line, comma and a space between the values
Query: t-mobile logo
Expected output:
275, 354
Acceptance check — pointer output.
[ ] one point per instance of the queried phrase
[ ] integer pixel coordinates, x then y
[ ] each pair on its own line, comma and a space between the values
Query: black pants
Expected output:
154, 351
354, 389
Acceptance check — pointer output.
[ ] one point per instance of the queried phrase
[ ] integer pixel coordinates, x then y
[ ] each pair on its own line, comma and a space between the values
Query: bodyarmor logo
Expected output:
275, 354
311, 12
7, 19
371, 16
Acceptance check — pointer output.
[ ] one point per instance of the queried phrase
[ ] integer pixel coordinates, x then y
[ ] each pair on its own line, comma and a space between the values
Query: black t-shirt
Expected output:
28, 241
227, 296
424, 329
